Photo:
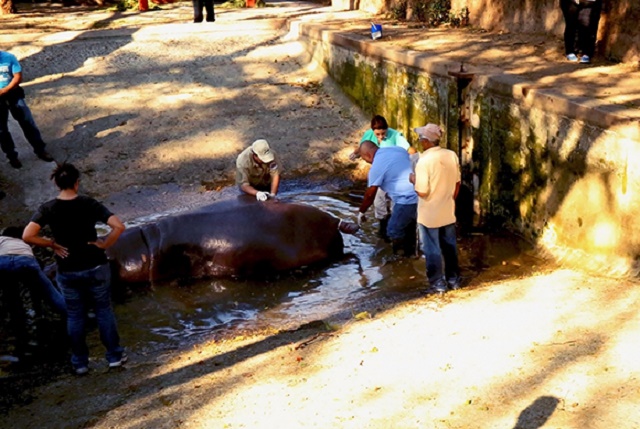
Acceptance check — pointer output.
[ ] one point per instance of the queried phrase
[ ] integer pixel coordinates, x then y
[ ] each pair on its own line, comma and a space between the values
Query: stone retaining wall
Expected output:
562, 173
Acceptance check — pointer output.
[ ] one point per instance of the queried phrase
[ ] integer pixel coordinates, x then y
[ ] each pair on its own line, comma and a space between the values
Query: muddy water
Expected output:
366, 279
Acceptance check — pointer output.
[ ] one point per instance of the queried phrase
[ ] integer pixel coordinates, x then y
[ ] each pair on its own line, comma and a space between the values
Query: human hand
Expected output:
59, 250
99, 243
262, 196
361, 218
354, 156
412, 178
271, 195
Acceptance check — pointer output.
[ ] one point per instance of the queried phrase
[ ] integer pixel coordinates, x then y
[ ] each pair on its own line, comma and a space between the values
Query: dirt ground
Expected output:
154, 109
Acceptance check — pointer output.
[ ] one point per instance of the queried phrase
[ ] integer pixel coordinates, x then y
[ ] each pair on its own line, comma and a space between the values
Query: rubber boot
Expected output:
398, 247
382, 232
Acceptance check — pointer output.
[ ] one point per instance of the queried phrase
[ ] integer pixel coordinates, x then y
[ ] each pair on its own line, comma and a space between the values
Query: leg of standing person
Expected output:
74, 292
22, 114
381, 212
208, 6
570, 13
449, 246
588, 20
13, 303
430, 239
401, 228
100, 286
6, 141
198, 5
34, 275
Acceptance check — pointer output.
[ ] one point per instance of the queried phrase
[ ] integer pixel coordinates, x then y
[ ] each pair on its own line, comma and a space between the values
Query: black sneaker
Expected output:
45, 156
119, 363
15, 162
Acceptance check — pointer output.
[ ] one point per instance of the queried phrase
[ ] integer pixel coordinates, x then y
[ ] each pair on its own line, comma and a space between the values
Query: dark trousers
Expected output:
198, 5
581, 26
21, 113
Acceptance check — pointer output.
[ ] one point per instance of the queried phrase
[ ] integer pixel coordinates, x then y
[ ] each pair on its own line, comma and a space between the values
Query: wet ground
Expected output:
172, 315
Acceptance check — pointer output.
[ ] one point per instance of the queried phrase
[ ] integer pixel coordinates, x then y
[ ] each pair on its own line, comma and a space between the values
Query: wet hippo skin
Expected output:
239, 237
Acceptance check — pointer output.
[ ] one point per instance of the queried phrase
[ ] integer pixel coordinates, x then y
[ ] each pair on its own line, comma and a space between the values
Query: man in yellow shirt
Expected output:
437, 181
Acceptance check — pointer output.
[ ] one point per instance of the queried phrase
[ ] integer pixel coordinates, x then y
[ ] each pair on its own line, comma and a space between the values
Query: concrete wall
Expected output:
618, 36
564, 174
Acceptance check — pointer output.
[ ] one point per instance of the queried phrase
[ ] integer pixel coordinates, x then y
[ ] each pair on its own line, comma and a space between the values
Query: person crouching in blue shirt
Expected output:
390, 171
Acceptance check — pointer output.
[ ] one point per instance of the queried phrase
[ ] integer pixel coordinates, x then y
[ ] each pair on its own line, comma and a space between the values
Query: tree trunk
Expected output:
7, 7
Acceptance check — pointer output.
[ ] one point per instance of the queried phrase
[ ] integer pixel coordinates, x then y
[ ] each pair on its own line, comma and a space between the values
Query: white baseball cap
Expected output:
262, 150
431, 132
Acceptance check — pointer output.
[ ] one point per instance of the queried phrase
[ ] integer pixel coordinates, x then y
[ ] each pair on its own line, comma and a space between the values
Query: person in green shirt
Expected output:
382, 136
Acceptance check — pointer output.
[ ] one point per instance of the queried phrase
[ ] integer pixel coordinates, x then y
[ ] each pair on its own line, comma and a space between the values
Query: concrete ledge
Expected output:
593, 111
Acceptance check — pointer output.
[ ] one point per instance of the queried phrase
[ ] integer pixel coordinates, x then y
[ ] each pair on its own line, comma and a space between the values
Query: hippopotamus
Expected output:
239, 238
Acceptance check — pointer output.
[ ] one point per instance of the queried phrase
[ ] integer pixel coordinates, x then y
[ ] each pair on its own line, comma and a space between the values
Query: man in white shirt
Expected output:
19, 265
437, 181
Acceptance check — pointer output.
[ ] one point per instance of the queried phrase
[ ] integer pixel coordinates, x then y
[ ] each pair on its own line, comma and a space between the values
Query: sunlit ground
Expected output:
555, 346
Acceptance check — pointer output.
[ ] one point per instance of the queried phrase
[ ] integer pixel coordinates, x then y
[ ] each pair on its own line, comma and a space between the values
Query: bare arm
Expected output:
369, 196
17, 78
455, 192
30, 236
116, 229
275, 183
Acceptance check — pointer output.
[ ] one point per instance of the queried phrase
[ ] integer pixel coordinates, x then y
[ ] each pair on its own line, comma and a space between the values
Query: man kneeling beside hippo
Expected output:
257, 171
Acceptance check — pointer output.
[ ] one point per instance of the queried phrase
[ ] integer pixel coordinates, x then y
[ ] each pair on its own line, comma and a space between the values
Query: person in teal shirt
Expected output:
382, 136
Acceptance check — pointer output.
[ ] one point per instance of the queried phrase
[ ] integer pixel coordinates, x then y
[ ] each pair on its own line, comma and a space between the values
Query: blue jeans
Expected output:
402, 223
21, 113
89, 287
25, 269
441, 252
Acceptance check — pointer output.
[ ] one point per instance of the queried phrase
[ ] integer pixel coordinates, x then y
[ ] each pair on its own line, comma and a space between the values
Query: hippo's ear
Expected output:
348, 227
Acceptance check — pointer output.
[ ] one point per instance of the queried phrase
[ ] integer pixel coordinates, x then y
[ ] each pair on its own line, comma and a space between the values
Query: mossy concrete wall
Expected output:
562, 173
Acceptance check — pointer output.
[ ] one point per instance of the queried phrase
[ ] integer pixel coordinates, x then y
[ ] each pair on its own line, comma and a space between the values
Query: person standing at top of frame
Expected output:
382, 136
83, 271
207, 5
581, 19
12, 100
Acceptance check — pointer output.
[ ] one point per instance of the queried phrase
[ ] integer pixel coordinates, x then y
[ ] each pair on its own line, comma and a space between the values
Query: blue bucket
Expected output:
376, 31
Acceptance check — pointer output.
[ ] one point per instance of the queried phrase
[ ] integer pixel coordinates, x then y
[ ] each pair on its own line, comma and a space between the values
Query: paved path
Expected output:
116, 89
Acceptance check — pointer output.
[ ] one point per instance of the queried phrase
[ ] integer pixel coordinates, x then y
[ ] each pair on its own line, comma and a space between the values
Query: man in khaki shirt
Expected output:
437, 181
258, 171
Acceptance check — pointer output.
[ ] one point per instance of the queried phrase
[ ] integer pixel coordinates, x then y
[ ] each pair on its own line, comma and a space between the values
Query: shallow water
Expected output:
368, 277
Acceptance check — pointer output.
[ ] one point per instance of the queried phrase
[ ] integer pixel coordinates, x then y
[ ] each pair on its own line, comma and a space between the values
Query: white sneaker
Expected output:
81, 370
